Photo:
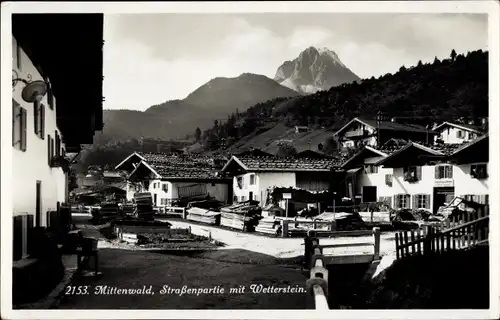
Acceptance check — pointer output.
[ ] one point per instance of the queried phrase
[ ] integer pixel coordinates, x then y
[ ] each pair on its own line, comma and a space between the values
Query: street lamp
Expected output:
33, 90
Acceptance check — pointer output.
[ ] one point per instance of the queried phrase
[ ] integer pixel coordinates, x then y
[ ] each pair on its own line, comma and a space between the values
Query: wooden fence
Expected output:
455, 234
316, 261
285, 226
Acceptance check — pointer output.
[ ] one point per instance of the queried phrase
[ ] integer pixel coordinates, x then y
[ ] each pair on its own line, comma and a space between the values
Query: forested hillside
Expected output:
453, 89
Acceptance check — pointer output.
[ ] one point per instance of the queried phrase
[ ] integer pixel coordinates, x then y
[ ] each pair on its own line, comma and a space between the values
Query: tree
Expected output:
286, 150
419, 64
453, 55
197, 134
436, 60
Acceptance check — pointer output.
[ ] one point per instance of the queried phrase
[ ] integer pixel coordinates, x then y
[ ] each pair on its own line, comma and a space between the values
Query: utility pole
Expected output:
379, 119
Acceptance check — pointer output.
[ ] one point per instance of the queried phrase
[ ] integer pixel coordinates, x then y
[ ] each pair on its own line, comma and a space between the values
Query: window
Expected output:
164, 187
412, 174
49, 151
402, 201
50, 96
18, 126
252, 179
385, 201
422, 201
444, 172
39, 118
163, 201
58, 145
478, 171
460, 134
242, 198
371, 169
471, 135
239, 182
388, 180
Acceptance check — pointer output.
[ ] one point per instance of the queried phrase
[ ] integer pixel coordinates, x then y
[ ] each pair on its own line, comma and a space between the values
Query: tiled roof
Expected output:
288, 164
395, 126
176, 166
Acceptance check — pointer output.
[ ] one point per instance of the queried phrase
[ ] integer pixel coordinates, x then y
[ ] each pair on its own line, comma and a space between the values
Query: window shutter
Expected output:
49, 152
58, 145
50, 96
450, 168
427, 201
35, 117
419, 172
42, 121
436, 172
396, 201
23, 129
52, 147
415, 201
407, 196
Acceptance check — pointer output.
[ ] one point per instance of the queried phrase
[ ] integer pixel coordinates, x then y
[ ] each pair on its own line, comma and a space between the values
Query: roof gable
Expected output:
127, 163
411, 154
366, 152
466, 127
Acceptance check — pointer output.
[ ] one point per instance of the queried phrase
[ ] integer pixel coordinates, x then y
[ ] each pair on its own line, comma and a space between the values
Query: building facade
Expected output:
449, 132
36, 141
253, 177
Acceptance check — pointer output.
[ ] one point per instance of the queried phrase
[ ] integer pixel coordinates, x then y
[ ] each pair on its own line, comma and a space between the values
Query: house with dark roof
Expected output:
365, 181
449, 132
359, 132
253, 177
169, 177
427, 177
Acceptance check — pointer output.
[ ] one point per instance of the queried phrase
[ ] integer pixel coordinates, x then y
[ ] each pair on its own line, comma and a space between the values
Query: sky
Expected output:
152, 58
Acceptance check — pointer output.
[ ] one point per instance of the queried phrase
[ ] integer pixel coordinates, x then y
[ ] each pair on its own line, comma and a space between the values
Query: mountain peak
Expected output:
314, 69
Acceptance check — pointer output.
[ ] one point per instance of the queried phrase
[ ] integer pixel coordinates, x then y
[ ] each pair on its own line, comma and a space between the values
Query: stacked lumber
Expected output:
241, 216
268, 225
109, 211
203, 215
143, 204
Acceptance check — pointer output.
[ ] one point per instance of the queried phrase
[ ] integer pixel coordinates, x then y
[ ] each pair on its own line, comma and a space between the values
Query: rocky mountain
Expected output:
174, 119
313, 70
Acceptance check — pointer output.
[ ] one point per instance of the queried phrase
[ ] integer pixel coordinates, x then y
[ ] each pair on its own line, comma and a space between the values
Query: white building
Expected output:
254, 176
425, 178
170, 177
54, 110
449, 132
359, 132
366, 181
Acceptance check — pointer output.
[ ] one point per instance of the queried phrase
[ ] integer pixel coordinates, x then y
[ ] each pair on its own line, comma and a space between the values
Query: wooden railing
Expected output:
173, 210
434, 239
316, 262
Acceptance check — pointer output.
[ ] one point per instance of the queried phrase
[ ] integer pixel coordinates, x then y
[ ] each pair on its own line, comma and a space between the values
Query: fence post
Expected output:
428, 240
376, 243
284, 229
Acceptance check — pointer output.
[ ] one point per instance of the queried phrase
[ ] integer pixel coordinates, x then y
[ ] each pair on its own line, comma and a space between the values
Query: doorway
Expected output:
155, 199
250, 196
38, 204
370, 194
442, 195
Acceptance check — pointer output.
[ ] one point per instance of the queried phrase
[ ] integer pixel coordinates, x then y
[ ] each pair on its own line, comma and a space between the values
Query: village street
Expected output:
247, 259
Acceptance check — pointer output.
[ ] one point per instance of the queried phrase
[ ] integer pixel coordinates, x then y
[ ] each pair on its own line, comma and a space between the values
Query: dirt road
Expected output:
282, 247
